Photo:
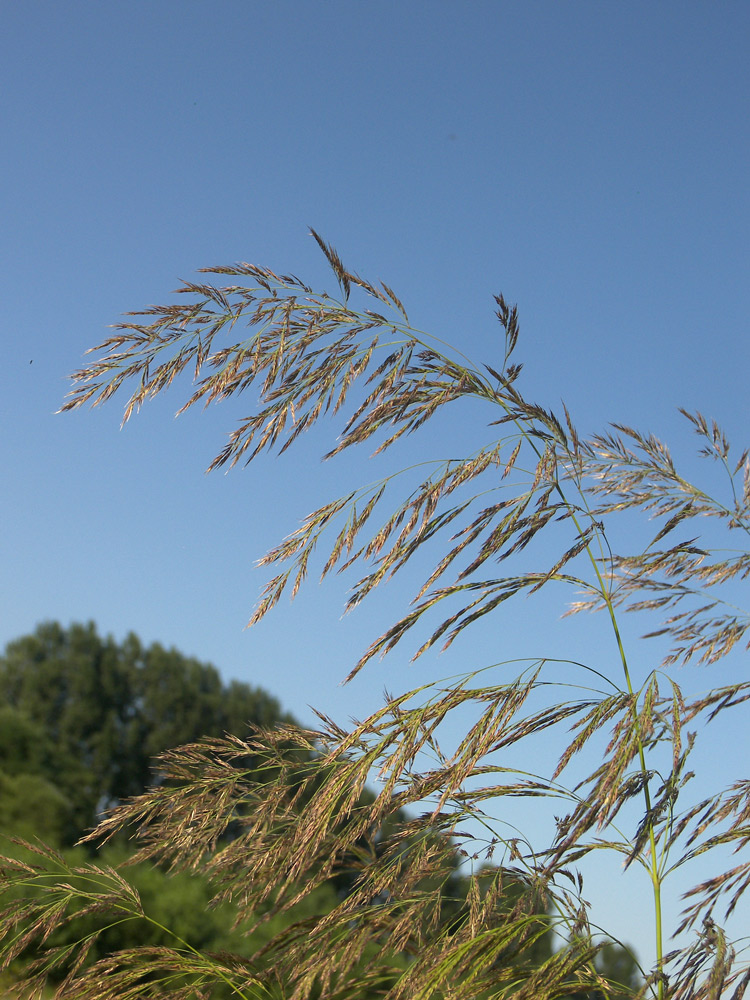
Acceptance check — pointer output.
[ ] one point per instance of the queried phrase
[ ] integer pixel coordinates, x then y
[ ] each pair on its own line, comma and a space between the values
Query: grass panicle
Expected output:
538, 506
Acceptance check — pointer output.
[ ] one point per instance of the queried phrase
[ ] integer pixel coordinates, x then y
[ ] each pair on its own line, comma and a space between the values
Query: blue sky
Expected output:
589, 160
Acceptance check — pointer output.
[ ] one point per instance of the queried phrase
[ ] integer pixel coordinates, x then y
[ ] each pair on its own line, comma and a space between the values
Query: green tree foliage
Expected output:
31, 803
30, 807
89, 715
535, 507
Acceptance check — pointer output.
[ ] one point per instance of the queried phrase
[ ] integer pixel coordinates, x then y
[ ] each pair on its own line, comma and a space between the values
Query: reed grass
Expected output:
309, 355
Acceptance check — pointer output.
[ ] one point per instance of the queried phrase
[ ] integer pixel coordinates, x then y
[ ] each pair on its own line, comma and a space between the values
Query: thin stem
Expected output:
654, 868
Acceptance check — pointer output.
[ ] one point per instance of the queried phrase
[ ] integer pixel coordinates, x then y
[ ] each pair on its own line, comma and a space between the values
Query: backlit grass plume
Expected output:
536, 505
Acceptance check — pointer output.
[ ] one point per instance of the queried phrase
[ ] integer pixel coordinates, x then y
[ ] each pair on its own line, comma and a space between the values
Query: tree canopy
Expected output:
89, 715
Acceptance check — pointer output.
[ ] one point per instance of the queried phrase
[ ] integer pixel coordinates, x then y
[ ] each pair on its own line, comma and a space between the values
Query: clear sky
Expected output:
588, 159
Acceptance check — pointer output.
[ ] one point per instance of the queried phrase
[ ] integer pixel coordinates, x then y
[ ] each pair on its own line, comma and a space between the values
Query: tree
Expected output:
31, 806
89, 715
542, 504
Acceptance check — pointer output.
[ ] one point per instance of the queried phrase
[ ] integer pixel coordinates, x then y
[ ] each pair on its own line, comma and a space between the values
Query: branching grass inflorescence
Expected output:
269, 845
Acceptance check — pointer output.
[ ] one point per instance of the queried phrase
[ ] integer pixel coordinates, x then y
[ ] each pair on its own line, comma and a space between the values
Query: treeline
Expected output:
83, 719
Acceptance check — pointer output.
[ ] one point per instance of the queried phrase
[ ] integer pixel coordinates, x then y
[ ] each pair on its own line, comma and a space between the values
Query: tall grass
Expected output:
625, 734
